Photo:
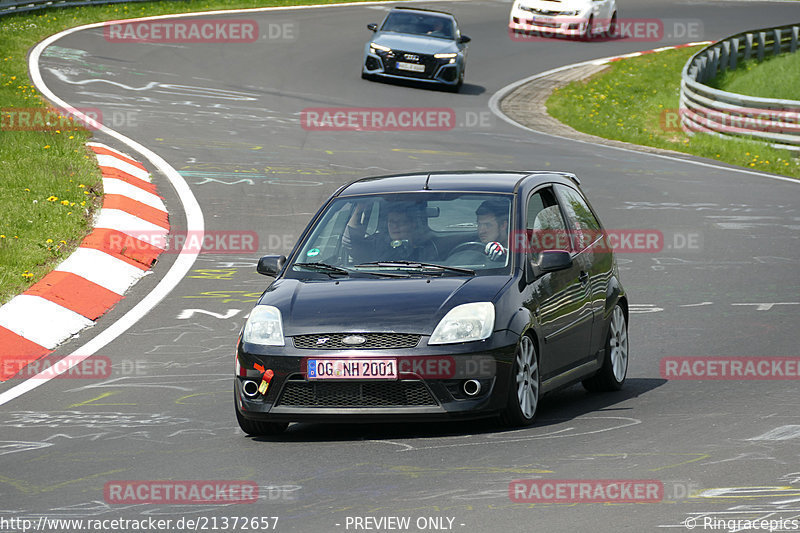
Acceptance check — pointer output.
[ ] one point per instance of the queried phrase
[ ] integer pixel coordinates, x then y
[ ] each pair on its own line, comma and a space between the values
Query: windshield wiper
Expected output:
333, 270
324, 268
417, 264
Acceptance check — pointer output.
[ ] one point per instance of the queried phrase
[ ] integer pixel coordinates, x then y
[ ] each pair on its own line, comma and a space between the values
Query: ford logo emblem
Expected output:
354, 339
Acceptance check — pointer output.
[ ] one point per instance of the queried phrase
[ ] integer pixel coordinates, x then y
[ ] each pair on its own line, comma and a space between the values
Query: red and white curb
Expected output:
654, 51
95, 277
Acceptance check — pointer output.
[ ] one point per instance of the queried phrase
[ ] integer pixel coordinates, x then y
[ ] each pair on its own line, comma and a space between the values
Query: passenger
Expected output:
493, 228
408, 237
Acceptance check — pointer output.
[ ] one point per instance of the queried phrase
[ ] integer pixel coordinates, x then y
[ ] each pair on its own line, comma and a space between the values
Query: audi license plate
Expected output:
352, 369
413, 67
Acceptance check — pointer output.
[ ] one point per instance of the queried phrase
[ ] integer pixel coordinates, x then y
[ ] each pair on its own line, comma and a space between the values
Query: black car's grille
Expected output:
430, 62
373, 341
360, 394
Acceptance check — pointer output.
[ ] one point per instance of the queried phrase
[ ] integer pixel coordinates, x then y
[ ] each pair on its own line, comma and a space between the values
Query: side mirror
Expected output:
270, 265
372, 27
554, 260
549, 261
464, 39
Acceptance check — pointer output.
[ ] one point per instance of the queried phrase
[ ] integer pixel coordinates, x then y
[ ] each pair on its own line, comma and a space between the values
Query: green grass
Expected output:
636, 100
775, 77
40, 170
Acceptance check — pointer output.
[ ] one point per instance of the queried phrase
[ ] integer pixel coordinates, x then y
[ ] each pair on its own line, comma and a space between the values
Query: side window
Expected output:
582, 222
544, 223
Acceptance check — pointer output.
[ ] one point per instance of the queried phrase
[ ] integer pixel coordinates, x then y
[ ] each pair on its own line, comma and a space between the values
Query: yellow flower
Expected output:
46, 146
52, 199
64, 202
27, 190
48, 241
2, 236
27, 275
81, 185
63, 242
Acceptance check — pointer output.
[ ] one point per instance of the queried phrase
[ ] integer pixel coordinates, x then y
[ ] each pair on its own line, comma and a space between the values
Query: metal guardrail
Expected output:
708, 110
11, 7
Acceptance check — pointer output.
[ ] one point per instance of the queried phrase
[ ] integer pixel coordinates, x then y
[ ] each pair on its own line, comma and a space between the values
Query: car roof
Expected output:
423, 10
463, 181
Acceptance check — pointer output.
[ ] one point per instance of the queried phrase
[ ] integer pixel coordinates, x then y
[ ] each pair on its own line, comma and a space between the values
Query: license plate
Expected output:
413, 67
352, 369
544, 20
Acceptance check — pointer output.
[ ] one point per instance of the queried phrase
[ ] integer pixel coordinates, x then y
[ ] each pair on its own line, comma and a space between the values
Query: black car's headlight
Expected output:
264, 326
463, 323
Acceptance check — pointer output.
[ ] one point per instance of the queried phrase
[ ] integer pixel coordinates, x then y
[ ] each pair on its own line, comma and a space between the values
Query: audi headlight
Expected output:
264, 326
375, 48
464, 323
445, 56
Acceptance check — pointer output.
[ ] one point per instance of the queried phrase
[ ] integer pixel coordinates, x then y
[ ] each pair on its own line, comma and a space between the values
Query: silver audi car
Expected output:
417, 44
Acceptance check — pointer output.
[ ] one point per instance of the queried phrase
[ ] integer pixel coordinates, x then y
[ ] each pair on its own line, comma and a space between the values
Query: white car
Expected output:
575, 18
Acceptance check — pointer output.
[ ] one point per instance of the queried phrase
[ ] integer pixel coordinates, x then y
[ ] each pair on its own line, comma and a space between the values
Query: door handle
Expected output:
583, 277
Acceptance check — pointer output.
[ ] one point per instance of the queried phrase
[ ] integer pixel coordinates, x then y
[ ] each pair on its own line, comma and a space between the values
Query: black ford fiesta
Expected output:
430, 296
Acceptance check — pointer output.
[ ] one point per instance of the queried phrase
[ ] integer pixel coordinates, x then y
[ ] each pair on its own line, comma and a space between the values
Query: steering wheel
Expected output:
471, 245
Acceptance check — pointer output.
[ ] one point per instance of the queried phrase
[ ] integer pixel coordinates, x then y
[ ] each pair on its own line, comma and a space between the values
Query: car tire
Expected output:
587, 32
257, 428
524, 385
612, 27
612, 374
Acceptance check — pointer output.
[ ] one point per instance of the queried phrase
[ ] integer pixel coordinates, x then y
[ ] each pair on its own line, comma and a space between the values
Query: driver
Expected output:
407, 239
493, 228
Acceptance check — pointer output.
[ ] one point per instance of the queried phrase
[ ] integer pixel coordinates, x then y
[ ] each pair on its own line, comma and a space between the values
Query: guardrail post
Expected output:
748, 46
762, 38
795, 37
776, 46
725, 51
734, 53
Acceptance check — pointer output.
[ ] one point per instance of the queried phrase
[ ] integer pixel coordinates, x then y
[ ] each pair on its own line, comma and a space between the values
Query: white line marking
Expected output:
41, 321
102, 268
494, 106
780, 433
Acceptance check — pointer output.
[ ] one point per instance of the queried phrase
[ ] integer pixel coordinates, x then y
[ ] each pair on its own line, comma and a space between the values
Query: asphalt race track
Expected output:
227, 117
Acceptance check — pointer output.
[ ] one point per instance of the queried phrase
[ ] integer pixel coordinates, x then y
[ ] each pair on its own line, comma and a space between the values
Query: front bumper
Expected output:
568, 26
427, 389
440, 71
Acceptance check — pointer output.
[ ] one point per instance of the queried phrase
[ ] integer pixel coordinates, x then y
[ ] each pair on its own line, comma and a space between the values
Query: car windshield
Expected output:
419, 24
425, 233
